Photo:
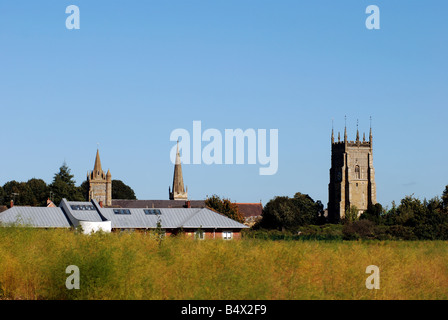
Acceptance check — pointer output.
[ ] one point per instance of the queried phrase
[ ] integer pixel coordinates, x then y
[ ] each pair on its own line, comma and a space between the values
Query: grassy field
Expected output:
133, 266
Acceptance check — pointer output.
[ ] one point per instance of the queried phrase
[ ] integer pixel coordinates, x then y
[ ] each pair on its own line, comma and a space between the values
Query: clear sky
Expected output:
137, 70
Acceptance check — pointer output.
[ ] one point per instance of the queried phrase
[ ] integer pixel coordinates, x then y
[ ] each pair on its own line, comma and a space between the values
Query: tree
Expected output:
445, 198
225, 207
351, 214
2, 195
309, 210
84, 189
373, 213
17, 191
122, 191
39, 191
287, 213
63, 186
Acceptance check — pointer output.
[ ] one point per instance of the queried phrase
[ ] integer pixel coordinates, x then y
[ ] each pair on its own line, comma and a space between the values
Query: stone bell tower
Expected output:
352, 176
100, 184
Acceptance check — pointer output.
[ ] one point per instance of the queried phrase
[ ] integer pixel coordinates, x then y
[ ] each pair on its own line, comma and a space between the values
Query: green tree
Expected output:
2, 196
284, 213
445, 198
122, 191
351, 214
19, 192
225, 207
39, 191
373, 213
63, 186
84, 189
309, 211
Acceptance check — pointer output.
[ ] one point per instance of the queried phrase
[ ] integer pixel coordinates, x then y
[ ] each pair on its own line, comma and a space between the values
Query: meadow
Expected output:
135, 266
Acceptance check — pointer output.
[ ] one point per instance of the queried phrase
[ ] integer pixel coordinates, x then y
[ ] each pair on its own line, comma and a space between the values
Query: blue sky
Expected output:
137, 70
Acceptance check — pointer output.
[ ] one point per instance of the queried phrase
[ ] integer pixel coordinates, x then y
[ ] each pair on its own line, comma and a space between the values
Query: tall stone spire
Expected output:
178, 192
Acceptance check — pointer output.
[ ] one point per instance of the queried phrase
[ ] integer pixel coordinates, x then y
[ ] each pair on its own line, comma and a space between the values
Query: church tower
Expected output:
100, 184
352, 176
178, 192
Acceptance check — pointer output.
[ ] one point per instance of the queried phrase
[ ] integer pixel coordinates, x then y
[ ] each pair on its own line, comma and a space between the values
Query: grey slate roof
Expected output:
171, 218
39, 217
65, 216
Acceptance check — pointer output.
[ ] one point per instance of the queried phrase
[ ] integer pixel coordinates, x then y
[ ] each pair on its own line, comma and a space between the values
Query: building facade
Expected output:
352, 176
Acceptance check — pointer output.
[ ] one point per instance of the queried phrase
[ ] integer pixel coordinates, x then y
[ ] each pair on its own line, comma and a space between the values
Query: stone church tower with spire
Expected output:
100, 184
352, 176
178, 192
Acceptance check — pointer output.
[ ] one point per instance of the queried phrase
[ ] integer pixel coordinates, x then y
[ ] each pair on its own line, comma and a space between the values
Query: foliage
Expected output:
63, 186
351, 214
373, 213
445, 199
34, 192
122, 191
2, 195
225, 207
84, 189
284, 213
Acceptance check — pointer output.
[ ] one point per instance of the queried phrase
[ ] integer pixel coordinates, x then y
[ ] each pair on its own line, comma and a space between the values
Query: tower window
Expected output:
357, 172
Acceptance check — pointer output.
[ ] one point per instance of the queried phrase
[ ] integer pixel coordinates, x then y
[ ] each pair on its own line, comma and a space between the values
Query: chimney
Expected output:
12, 203
188, 203
101, 204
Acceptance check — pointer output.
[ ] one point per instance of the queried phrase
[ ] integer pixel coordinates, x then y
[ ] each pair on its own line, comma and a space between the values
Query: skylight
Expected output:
122, 211
82, 207
152, 211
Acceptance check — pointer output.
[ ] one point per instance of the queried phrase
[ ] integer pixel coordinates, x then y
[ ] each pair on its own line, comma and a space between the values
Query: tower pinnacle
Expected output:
357, 132
345, 129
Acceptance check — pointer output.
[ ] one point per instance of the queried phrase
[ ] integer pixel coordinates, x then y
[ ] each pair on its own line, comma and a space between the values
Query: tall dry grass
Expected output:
134, 266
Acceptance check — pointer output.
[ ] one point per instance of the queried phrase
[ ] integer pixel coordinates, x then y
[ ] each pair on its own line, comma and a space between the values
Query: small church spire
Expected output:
370, 135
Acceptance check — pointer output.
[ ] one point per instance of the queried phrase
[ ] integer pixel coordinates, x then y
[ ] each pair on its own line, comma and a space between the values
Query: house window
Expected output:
199, 234
227, 235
